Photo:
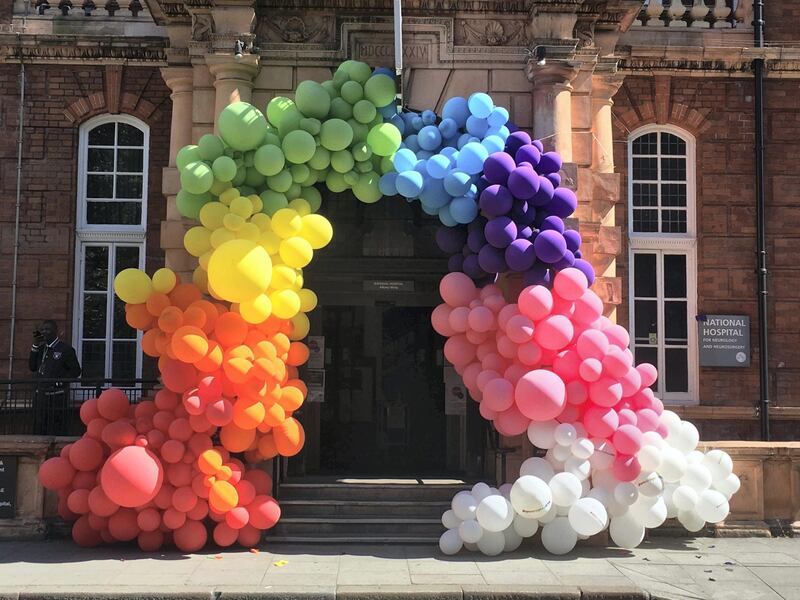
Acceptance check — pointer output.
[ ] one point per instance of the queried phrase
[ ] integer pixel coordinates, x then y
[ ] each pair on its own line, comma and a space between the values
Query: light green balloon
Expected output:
312, 126
189, 204
340, 78
364, 111
384, 139
273, 201
298, 146
336, 134
312, 99
242, 126
293, 191
241, 175
357, 70
380, 89
313, 177
299, 173
313, 197
220, 186
249, 158
269, 160
278, 107
342, 161
335, 182
364, 166
360, 130
224, 168
361, 151
280, 182
330, 87
341, 109
376, 121
211, 146
352, 91
321, 158
197, 178
386, 164
289, 123
186, 155
253, 178
367, 189
272, 138
351, 177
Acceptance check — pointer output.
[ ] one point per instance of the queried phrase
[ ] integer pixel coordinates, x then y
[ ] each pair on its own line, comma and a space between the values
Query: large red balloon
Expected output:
260, 480
191, 537
149, 519
150, 541
56, 473
86, 454
132, 476
264, 512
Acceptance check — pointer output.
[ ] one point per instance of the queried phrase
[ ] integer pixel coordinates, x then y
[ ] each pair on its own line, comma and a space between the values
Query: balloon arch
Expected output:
536, 353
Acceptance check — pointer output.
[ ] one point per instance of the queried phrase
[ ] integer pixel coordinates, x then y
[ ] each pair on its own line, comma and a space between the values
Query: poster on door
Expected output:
316, 352
455, 393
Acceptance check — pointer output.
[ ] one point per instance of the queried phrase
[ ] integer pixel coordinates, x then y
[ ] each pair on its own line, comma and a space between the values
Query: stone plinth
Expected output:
31, 451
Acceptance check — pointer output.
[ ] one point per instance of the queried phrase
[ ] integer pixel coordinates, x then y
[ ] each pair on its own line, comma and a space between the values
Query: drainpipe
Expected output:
398, 49
17, 208
763, 361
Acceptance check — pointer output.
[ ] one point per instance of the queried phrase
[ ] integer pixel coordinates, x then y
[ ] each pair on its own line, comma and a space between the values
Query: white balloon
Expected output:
648, 513
616, 509
653, 438
728, 486
585, 487
579, 467
493, 491
603, 455
450, 543
480, 490
712, 506
541, 434
719, 463
464, 505
685, 437
604, 479
549, 516
565, 434
649, 458
495, 513
626, 532
566, 489
562, 511
600, 494
558, 465
513, 540
561, 453
669, 490
471, 547
538, 467
492, 543
685, 497
450, 520
531, 497
470, 531
691, 520
650, 484
670, 420
673, 465
558, 536
694, 457
588, 516
697, 476
582, 448
525, 527
626, 493
580, 430
505, 491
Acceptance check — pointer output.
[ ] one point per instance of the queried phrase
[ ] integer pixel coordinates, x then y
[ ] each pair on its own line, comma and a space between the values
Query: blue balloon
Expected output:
480, 105
434, 194
409, 183
438, 166
383, 71
388, 111
422, 167
457, 183
408, 117
446, 218
448, 151
498, 117
429, 137
463, 140
404, 160
463, 210
451, 142
398, 122
428, 117
417, 123
493, 143
387, 184
477, 126
412, 142
471, 157
472, 192
448, 127
429, 210
457, 109
426, 154
501, 131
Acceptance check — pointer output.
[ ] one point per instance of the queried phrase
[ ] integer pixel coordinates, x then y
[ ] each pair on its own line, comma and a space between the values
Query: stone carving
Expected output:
43, 53
295, 29
409, 6
202, 26
584, 31
491, 33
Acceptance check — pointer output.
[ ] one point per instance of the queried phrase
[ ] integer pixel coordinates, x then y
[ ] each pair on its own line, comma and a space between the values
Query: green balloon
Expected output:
312, 126
186, 155
376, 121
342, 161
273, 201
336, 134
211, 147
357, 70
278, 107
220, 186
380, 89
313, 177
299, 173
312, 100
364, 166
360, 131
340, 78
293, 191
189, 204
289, 123
272, 138
298, 146
351, 177
352, 91
321, 158
241, 175
361, 151
280, 182
249, 159
335, 182
246, 191
269, 160
330, 87
224, 168
242, 126
341, 109
197, 178
367, 189
313, 197
253, 178
386, 164
384, 139
364, 111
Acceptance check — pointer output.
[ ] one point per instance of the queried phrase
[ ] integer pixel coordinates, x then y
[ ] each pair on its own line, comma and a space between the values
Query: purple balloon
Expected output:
520, 255
451, 239
466, 251
523, 183
539, 274
563, 204
455, 263
544, 194
477, 225
586, 268
555, 179
566, 261
550, 246
472, 268
500, 232
550, 163
496, 200
538, 144
498, 167
528, 153
516, 140
525, 232
554, 223
578, 254
482, 184
476, 240
492, 260
573, 239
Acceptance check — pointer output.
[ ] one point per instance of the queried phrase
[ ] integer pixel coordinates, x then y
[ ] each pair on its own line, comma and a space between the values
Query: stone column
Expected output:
603, 89
552, 106
233, 78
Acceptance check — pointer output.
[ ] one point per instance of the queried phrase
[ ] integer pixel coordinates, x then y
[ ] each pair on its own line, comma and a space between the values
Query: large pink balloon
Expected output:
506, 347
588, 308
553, 332
519, 328
457, 289
458, 319
626, 468
540, 395
605, 392
498, 394
505, 314
132, 476
618, 336
631, 382
481, 319
648, 373
590, 369
536, 302
511, 422
600, 421
615, 362
592, 344
627, 439
566, 364
570, 284
440, 320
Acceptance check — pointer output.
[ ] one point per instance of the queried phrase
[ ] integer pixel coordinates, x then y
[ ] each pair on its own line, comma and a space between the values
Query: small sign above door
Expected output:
388, 285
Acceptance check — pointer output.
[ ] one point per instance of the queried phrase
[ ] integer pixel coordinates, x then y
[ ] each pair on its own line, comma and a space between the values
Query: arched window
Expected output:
111, 229
663, 264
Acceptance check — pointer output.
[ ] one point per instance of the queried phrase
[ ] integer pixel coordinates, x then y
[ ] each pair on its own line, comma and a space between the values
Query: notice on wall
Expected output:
315, 382
724, 340
316, 351
8, 487
455, 393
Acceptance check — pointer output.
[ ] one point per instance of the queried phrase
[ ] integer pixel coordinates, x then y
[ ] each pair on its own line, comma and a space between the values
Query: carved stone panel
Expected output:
470, 32
296, 28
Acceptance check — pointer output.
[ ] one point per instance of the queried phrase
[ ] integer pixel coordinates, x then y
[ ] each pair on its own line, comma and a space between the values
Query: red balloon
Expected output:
173, 518
86, 454
155, 439
78, 502
177, 376
98, 523
84, 535
150, 541
113, 404
84, 480
100, 504
179, 474
191, 537
237, 517
162, 420
180, 429
247, 492
184, 499
56, 473
224, 535
132, 476
123, 525
264, 512
166, 400
199, 486
260, 480
95, 428
145, 409
163, 499
249, 536
119, 434
64, 511
199, 443
172, 451
219, 413
199, 512
89, 411
149, 519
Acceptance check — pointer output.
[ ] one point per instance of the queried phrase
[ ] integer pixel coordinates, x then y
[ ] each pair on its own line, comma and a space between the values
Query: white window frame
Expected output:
669, 243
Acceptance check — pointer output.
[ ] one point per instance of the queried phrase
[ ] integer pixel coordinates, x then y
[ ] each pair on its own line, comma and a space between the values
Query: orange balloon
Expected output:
149, 345
264, 370
236, 439
209, 461
265, 349
170, 319
298, 354
291, 398
254, 337
156, 303
162, 341
271, 326
289, 437
209, 310
281, 343
263, 428
194, 316
138, 317
280, 367
230, 329
222, 497
237, 369
247, 414
212, 361
266, 446
275, 415
299, 384
183, 294
189, 344
292, 373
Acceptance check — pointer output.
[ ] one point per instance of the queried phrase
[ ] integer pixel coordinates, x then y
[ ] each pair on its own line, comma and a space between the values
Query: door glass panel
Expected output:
675, 322
94, 315
645, 319
93, 360
675, 275
676, 377
123, 361
95, 271
644, 280
121, 328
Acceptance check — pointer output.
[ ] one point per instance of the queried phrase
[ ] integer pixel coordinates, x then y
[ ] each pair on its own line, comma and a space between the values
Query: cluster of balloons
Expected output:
150, 472
570, 504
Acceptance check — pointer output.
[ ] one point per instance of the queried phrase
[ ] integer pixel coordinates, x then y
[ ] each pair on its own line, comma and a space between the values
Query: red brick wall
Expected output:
780, 21
49, 174
726, 225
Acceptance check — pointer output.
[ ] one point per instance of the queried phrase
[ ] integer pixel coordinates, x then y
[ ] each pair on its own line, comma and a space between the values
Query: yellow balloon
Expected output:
308, 300
212, 213
229, 196
285, 303
317, 230
133, 286
205, 259
270, 241
248, 231
257, 203
300, 205
233, 222
262, 221
200, 279
296, 252
240, 270
286, 223
164, 280
299, 280
196, 241
257, 310
242, 206
283, 277
220, 236
300, 327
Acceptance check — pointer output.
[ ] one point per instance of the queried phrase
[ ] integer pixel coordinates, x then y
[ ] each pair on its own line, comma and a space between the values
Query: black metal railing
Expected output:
52, 407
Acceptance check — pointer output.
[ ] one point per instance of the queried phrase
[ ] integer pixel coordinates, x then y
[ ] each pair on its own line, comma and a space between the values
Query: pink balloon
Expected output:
478, 337
618, 336
485, 377
458, 350
458, 319
511, 422
590, 369
553, 332
615, 362
470, 374
536, 302
605, 392
566, 364
490, 291
498, 394
457, 289
514, 373
209, 388
570, 414
508, 311
631, 382
592, 344
588, 308
576, 392
220, 413
530, 354
626, 468
481, 319
519, 329
662, 430
494, 362
506, 347
562, 307
485, 349
600, 421
643, 399
540, 395
570, 284
495, 303
646, 420
193, 403
131, 476
440, 319
486, 412
626, 416
475, 304
648, 373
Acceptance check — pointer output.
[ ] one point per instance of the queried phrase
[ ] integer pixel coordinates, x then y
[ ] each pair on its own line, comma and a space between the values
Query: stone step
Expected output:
362, 539
392, 492
358, 527
361, 509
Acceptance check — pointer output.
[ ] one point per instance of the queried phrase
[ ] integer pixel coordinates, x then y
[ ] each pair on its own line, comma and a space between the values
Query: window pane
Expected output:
644, 275
645, 168
101, 160
93, 360
102, 135
673, 169
645, 220
114, 213
129, 186
130, 161
94, 316
646, 354
673, 221
672, 144
675, 322
673, 194
127, 258
121, 328
676, 375
99, 186
123, 360
129, 135
645, 194
645, 320
95, 270
646, 144
675, 276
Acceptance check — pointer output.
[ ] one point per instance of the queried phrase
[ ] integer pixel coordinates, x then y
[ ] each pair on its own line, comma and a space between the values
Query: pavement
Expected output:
662, 568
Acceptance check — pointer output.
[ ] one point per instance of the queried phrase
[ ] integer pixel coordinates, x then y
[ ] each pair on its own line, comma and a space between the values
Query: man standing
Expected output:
52, 360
